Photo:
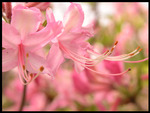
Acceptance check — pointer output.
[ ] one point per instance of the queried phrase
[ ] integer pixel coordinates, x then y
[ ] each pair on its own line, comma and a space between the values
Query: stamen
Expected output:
140, 50
23, 78
107, 75
106, 52
35, 76
95, 53
137, 47
129, 69
92, 62
41, 68
116, 43
125, 56
86, 66
79, 59
31, 75
23, 67
136, 61
27, 55
112, 49
131, 54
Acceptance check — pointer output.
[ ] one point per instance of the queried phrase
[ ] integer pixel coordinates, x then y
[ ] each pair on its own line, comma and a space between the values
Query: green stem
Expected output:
23, 98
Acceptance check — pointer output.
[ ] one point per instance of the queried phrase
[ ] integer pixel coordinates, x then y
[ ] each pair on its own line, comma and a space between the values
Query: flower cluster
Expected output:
23, 41
85, 61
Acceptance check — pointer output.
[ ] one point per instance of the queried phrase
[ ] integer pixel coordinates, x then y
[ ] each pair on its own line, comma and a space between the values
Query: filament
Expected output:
136, 61
86, 65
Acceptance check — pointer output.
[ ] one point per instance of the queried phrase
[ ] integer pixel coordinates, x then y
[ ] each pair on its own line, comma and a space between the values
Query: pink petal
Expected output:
49, 15
39, 39
72, 37
44, 36
73, 17
10, 36
9, 59
56, 26
114, 66
34, 63
88, 30
55, 58
80, 83
26, 20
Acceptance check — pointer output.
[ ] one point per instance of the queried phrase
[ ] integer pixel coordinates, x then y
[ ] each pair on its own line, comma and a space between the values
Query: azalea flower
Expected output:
67, 38
21, 41
72, 42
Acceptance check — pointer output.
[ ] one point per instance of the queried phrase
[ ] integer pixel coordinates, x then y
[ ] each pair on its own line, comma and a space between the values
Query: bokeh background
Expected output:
72, 91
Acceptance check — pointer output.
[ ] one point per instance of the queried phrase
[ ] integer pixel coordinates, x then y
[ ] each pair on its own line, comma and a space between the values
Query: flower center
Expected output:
25, 76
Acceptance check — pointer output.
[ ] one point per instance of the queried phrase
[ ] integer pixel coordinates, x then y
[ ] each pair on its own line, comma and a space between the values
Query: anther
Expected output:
106, 52
31, 74
23, 67
27, 55
41, 68
131, 54
112, 49
137, 47
140, 50
116, 42
129, 69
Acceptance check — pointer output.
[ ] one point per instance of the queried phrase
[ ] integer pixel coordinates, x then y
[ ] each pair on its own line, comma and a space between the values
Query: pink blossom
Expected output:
72, 42
21, 41
67, 38
73, 32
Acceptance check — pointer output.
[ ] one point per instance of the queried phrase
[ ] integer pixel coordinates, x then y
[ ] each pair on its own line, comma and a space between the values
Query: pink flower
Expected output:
73, 37
71, 43
21, 41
